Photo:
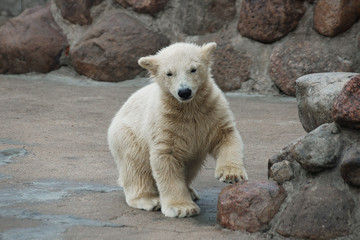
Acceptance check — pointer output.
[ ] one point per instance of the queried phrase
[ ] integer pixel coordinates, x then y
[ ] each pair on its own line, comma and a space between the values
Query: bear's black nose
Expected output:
184, 93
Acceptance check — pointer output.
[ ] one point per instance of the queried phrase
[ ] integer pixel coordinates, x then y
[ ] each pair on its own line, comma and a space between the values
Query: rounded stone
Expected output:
293, 59
249, 206
31, 42
350, 166
281, 172
316, 94
268, 21
110, 49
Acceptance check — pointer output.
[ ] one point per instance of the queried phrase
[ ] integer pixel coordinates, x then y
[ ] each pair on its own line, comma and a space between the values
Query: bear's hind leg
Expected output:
145, 201
139, 185
135, 176
140, 191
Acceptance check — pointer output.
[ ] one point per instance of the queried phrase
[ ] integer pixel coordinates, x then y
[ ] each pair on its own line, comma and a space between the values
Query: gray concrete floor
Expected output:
57, 176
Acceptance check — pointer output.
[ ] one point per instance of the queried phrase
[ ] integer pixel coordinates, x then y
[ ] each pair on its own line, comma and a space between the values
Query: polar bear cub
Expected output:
163, 133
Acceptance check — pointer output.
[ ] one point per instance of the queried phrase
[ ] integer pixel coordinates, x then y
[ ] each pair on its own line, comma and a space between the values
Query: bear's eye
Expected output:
169, 74
193, 70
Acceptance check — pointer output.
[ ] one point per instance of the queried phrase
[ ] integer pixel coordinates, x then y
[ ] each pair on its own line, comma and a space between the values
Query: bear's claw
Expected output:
231, 174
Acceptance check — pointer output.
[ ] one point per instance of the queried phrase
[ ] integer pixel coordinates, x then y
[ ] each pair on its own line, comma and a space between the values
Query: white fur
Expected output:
160, 141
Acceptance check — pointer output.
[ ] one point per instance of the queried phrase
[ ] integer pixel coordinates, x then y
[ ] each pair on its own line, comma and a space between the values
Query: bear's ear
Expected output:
150, 63
207, 51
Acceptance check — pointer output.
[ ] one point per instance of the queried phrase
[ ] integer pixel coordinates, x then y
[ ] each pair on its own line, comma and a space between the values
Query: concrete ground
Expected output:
58, 178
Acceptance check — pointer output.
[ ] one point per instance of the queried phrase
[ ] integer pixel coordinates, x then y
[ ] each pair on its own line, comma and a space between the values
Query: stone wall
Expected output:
263, 46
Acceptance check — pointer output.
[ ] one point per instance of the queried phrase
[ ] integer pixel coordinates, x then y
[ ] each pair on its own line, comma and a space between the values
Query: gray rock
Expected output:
320, 204
319, 149
350, 161
317, 211
350, 166
315, 94
14, 8
281, 172
316, 151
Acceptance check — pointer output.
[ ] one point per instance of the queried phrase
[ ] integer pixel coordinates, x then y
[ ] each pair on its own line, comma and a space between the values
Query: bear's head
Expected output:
181, 68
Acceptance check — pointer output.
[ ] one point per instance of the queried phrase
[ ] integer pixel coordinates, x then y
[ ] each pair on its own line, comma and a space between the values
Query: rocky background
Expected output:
314, 187
263, 46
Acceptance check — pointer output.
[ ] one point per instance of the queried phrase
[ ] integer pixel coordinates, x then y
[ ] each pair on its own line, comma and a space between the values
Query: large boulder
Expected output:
317, 211
249, 206
322, 200
268, 21
316, 94
110, 49
230, 76
205, 16
346, 109
77, 11
144, 6
334, 17
293, 59
31, 42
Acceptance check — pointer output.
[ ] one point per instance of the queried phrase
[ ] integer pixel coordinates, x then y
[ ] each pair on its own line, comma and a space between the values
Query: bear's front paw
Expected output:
180, 209
231, 174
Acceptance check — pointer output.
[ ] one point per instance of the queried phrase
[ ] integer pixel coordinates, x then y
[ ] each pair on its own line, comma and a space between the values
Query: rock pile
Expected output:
319, 172
264, 46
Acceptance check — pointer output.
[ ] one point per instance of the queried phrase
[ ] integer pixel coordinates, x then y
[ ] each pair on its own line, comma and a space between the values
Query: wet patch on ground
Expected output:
7, 155
51, 225
46, 190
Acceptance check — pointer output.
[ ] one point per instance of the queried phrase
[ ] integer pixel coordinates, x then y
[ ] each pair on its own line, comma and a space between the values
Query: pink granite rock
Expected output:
268, 21
249, 206
346, 108
77, 11
110, 49
31, 42
336, 16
